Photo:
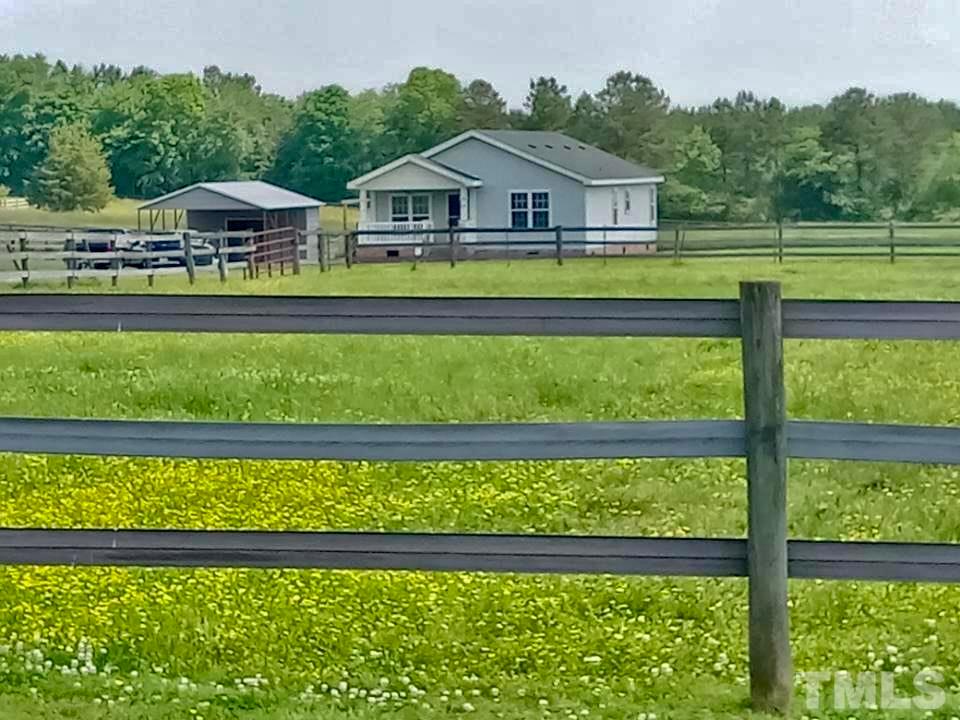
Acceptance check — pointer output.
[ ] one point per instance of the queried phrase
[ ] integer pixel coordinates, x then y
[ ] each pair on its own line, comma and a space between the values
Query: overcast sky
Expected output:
799, 50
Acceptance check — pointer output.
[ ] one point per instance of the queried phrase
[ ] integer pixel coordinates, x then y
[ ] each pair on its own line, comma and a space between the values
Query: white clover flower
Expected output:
467, 707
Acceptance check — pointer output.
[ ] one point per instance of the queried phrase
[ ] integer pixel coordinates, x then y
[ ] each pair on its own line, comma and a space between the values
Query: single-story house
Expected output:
514, 179
249, 205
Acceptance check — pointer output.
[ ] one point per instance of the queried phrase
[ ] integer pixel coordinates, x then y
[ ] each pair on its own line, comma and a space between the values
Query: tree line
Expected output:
69, 136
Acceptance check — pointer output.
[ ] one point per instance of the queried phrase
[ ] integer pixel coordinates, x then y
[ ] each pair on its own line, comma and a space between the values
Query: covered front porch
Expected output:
402, 201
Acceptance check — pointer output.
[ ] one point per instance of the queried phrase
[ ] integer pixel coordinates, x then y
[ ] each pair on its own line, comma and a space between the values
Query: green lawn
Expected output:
118, 214
186, 644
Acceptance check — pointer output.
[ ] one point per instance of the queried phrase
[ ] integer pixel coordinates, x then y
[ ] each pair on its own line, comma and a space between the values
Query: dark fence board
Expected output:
665, 557
553, 441
368, 551
808, 440
826, 319
372, 315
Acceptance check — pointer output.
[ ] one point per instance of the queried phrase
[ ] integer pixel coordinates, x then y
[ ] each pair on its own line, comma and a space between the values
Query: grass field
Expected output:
292, 645
122, 213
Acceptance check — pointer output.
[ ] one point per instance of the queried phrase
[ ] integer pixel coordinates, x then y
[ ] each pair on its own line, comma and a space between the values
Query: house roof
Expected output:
256, 194
421, 161
560, 153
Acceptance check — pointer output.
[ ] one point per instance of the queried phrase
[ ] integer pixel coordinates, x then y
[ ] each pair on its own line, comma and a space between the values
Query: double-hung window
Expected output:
409, 208
529, 209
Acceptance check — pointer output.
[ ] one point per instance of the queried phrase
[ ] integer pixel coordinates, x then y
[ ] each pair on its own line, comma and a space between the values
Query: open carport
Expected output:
251, 206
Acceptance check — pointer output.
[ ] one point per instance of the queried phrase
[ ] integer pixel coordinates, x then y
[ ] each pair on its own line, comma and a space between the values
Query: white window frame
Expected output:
653, 205
409, 196
614, 206
627, 201
530, 209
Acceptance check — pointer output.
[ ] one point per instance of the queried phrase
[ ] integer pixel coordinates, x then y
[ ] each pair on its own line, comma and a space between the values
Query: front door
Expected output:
453, 209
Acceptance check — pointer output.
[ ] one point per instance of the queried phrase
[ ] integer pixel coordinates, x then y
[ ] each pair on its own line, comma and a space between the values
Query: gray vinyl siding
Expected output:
502, 172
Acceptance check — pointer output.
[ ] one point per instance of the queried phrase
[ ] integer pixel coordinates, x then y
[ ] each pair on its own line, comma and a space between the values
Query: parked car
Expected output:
95, 240
172, 245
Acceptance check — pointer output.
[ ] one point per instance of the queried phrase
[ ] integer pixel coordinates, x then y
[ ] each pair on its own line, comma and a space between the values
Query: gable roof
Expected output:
560, 153
439, 168
256, 194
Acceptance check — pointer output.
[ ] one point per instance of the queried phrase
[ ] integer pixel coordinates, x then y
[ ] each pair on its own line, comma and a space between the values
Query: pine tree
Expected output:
74, 175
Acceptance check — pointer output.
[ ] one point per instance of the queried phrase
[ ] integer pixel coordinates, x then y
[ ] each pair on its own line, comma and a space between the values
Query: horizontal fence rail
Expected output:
806, 440
664, 557
548, 441
802, 319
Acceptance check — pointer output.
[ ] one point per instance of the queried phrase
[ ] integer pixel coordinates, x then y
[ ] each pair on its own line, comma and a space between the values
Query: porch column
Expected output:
465, 210
363, 207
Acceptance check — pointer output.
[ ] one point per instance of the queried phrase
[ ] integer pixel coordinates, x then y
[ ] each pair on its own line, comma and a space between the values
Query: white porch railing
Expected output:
413, 232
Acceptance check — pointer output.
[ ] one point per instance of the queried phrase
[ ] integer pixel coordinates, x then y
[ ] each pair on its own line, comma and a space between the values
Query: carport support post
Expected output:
771, 666
453, 248
188, 258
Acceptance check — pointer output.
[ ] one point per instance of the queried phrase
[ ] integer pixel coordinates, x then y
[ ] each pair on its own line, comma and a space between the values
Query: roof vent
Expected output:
532, 147
567, 147
549, 147
582, 147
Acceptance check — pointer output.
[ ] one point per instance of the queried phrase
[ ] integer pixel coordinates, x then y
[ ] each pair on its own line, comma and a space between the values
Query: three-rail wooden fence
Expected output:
765, 438
71, 256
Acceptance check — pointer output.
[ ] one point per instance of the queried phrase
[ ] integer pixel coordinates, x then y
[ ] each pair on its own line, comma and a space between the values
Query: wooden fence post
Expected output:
453, 248
348, 249
149, 262
24, 260
676, 245
893, 242
71, 246
188, 258
115, 262
250, 246
296, 251
559, 232
222, 257
771, 666
780, 242
322, 251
